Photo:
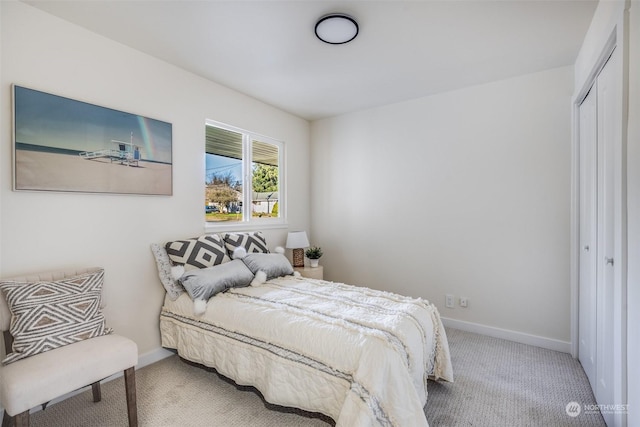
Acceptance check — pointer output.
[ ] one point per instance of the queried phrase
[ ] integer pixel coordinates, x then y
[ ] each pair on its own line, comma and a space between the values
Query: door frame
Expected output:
614, 41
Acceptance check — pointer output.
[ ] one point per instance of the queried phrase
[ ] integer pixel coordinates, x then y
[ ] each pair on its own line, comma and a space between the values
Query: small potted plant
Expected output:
313, 253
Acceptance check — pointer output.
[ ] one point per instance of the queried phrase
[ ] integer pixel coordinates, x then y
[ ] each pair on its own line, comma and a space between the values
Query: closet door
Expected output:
606, 106
598, 346
588, 235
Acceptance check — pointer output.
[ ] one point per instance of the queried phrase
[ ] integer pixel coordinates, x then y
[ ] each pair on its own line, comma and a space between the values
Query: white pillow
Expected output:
173, 288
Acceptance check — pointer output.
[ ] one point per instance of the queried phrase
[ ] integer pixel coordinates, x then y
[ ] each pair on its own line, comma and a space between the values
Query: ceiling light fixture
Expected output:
336, 28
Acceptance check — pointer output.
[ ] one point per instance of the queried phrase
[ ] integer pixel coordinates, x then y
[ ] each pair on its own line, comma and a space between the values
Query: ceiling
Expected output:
405, 49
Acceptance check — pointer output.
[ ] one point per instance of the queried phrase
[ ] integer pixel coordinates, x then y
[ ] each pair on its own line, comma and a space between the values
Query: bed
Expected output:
360, 356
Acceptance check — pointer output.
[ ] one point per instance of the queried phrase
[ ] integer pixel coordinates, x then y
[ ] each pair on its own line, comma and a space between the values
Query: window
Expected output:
244, 177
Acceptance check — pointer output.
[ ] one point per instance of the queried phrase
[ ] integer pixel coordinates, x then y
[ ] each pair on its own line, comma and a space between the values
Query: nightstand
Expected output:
311, 273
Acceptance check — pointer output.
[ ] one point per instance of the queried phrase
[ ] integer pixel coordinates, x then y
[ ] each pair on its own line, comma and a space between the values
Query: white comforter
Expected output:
360, 356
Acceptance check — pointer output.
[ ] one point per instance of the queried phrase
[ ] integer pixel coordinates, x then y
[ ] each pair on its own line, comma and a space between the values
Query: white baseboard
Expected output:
153, 356
143, 360
506, 334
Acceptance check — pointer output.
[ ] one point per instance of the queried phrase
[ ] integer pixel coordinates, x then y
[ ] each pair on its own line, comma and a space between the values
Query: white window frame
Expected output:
248, 222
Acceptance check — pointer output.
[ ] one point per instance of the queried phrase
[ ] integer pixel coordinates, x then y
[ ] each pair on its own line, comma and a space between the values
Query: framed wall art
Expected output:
61, 144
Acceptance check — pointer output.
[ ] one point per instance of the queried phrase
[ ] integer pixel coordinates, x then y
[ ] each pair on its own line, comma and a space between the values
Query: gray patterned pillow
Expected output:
48, 315
202, 252
173, 288
252, 242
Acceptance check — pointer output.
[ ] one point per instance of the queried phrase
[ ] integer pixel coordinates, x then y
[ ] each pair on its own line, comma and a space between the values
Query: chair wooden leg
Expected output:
7, 420
22, 419
132, 406
97, 393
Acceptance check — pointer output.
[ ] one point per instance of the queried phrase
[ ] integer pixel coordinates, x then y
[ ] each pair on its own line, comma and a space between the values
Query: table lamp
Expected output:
297, 240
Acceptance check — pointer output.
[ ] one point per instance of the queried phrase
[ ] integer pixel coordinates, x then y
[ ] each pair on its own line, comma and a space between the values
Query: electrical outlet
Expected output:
449, 301
464, 302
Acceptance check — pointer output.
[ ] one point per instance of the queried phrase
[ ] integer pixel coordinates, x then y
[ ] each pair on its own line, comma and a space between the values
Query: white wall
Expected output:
41, 231
465, 192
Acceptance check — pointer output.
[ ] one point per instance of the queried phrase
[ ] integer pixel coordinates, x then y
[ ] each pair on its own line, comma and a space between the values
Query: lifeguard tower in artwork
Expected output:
127, 153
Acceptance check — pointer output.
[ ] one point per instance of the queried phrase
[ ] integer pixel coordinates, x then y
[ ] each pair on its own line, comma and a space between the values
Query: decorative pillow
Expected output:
49, 315
252, 242
173, 288
204, 283
273, 265
202, 252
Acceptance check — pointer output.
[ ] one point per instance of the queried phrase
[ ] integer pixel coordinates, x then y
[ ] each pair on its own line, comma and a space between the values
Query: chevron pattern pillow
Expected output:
202, 252
253, 242
49, 315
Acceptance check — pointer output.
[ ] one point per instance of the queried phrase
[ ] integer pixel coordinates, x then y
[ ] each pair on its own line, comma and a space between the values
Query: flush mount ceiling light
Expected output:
336, 28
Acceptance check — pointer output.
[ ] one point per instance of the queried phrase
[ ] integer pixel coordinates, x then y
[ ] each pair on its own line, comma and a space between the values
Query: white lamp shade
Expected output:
297, 239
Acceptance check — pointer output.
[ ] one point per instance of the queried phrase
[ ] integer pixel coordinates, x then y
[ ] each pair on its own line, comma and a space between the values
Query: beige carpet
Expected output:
498, 383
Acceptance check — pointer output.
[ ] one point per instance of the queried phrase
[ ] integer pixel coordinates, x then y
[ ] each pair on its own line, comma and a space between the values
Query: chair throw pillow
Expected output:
201, 252
48, 315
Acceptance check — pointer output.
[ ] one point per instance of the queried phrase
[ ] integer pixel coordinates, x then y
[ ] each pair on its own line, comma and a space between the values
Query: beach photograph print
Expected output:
65, 145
